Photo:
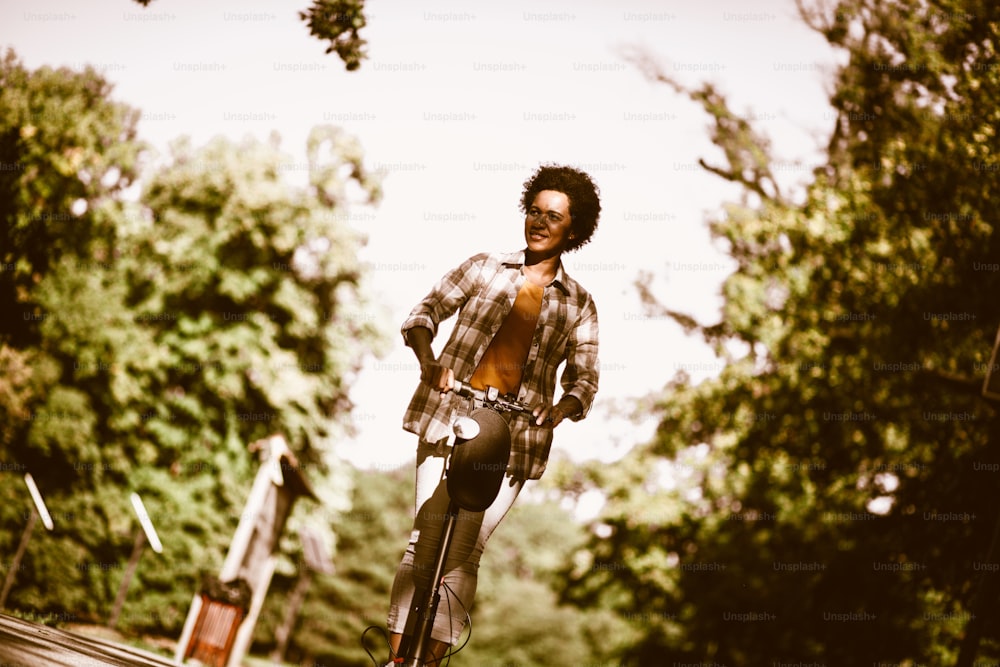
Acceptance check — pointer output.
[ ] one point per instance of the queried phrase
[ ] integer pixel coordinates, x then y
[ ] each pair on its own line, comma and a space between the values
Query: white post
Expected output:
244, 636
268, 479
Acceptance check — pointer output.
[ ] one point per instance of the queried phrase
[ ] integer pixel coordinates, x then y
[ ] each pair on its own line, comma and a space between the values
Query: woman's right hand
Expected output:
432, 374
436, 376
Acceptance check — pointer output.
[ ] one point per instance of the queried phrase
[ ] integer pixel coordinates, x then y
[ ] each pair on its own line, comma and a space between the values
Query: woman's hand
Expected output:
553, 415
432, 374
436, 376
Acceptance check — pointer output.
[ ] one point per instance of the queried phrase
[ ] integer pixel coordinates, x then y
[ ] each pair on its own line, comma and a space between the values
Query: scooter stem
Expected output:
427, 609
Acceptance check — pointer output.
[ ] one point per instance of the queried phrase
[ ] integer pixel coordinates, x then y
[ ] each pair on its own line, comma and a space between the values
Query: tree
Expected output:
68, 152
830, 491
65, 165
251, 290
161, 338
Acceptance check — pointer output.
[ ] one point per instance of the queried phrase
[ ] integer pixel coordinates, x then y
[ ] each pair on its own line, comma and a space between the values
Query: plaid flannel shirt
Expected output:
482, 290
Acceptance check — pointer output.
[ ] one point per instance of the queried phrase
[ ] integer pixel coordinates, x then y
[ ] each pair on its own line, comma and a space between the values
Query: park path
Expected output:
27, 644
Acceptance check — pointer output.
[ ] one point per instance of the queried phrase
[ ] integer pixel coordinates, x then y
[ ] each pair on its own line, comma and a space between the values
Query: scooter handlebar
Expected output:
491, 398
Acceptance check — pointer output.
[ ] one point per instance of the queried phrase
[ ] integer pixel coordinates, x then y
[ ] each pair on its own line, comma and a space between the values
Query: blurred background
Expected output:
214, 217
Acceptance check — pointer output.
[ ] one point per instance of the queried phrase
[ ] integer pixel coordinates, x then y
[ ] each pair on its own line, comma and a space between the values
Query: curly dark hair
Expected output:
583, 194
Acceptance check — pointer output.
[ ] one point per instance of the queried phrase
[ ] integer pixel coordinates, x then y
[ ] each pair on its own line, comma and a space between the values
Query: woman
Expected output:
519, 317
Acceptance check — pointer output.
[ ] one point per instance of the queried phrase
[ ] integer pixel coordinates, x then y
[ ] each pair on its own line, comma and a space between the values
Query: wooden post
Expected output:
295, 600
133, 563
16, 563
315, 559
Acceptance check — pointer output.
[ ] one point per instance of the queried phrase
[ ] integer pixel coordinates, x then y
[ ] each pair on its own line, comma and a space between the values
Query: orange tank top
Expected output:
503, 362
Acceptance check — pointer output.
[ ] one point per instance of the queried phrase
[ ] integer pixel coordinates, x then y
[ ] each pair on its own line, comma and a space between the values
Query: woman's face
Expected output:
547, 224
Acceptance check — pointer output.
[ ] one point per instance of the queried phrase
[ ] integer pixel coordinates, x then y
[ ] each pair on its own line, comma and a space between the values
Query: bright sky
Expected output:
459, 103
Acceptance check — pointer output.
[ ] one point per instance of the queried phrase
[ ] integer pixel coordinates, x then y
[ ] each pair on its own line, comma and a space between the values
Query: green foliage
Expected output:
518, 618
150, 343
338, 22
828, 496
67, 152
249, 289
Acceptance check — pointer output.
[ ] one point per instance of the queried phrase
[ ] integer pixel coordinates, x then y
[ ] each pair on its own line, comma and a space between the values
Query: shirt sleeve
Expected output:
447, 296
582, 371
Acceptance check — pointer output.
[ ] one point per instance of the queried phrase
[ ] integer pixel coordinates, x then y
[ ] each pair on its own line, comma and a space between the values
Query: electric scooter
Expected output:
475, 470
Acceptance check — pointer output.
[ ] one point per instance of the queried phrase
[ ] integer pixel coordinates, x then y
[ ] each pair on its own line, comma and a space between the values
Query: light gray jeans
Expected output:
472, 530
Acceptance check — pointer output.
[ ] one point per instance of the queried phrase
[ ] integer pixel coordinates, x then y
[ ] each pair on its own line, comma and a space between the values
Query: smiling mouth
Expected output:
537, 235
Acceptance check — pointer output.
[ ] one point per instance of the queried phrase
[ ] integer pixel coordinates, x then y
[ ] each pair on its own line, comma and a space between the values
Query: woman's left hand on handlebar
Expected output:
550, 416
547, 416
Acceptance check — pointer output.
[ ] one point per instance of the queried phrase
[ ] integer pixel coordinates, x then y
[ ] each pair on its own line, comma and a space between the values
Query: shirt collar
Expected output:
516, 260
